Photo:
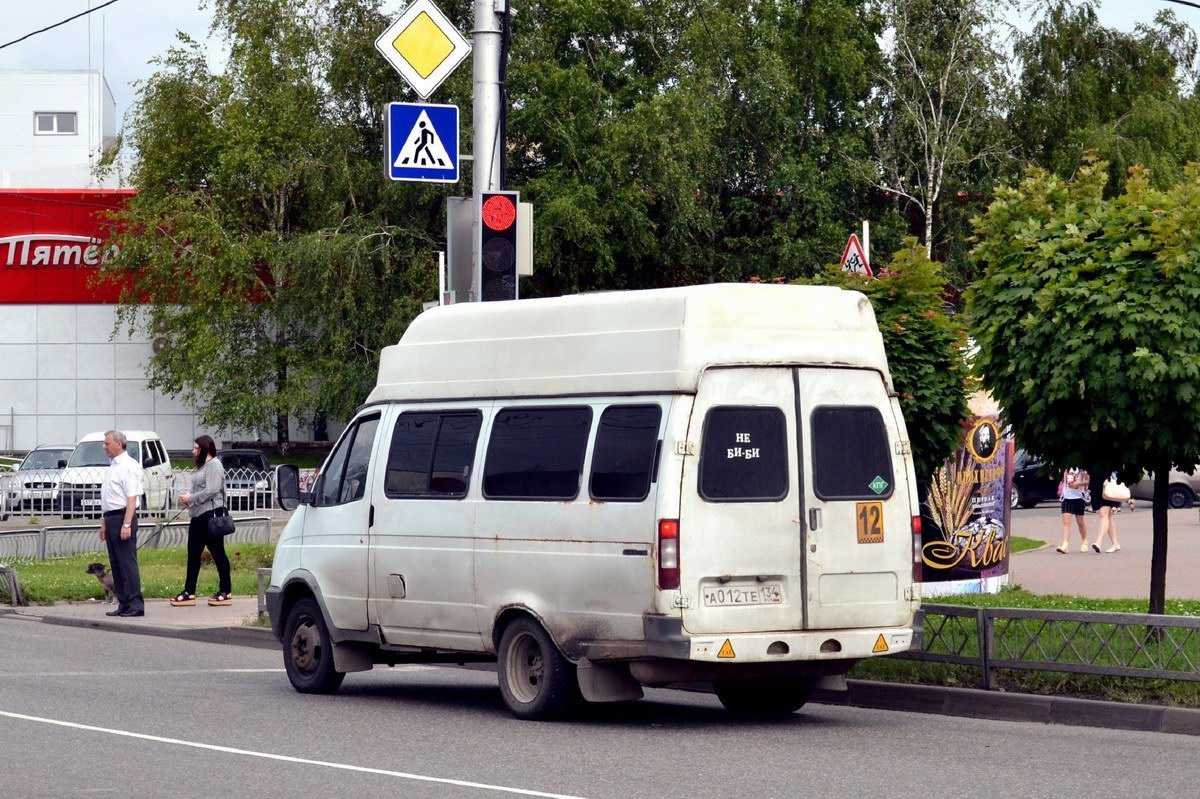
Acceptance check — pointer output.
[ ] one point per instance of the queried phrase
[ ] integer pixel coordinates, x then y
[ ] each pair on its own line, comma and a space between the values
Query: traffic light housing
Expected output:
498, 245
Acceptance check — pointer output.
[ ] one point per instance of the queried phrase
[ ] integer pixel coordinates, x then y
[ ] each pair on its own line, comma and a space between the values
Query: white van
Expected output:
615, 490
84, 473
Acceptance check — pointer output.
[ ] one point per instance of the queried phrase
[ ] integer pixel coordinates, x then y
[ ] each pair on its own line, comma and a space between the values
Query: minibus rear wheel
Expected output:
536, 681
308, 650
769, 697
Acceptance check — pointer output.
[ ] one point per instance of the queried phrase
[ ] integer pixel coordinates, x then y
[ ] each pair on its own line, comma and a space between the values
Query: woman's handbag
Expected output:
220, 524
1114, 491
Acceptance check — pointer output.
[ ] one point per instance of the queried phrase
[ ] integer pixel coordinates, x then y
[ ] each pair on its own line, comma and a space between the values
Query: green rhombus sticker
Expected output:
878, 485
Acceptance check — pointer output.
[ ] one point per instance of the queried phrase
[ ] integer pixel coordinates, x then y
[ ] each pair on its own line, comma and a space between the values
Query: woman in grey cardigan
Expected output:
207, 494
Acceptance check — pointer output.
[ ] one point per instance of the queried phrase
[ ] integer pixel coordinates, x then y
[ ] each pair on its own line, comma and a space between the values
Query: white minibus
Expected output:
603, 492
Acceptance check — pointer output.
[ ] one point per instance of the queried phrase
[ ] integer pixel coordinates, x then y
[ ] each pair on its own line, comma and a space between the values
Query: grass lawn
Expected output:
162, 570
1018, 544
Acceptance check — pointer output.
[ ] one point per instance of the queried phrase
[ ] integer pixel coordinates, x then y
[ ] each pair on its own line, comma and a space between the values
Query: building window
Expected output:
55, 124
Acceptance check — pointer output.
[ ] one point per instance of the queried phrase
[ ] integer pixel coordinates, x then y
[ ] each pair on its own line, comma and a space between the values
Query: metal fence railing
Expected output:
1080, 642
74, 493
81, 539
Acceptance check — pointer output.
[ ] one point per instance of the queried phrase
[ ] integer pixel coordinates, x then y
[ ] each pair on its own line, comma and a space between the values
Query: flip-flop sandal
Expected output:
183, 599
220, 599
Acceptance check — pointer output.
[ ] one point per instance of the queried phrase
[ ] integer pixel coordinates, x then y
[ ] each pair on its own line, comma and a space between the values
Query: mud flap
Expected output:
351, 657
607, 682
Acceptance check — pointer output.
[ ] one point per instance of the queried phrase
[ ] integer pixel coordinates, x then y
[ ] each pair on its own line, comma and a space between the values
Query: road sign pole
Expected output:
486, 119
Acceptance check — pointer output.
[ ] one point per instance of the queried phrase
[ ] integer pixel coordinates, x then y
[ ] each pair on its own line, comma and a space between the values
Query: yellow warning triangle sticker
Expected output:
880, 645
726, 650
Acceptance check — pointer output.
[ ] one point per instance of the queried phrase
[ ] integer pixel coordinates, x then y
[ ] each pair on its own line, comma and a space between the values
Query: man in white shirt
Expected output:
119, 497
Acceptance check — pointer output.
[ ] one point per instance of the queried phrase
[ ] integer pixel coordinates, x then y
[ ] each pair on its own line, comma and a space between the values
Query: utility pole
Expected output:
485, 115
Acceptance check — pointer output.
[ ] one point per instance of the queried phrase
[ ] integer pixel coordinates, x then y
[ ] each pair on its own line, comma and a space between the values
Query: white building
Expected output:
63, 372
55, 125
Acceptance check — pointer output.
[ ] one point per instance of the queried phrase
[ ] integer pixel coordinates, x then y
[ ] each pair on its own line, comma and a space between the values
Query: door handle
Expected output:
814, 519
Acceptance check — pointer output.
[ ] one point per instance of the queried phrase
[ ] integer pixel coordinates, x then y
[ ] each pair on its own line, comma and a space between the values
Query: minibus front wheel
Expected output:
536, 681
308, 650
763, 697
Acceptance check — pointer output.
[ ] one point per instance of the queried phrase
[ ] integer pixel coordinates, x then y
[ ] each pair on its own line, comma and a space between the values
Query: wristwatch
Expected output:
123, 526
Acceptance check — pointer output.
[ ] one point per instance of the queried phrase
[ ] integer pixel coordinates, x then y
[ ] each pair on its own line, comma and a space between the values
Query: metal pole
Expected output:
486, 119
866, 242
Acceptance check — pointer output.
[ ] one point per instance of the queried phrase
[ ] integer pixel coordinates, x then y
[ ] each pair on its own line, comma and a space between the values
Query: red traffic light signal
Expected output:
498, 246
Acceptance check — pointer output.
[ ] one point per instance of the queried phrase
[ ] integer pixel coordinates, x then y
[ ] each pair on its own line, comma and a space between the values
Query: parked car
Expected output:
33, 486
1032, 481
1181, 491
81, 479
247, 479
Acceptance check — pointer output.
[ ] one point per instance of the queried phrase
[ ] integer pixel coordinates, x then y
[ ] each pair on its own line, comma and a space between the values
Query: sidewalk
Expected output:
1117, 575
226, 625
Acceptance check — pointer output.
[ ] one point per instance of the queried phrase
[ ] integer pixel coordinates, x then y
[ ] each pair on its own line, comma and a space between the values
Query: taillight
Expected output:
918, 571
668, 554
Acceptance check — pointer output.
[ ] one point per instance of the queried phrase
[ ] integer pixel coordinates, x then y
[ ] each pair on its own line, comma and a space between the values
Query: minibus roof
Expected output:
623, 342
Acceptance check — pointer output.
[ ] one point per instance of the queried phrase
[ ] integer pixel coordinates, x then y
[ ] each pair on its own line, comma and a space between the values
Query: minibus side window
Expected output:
850, 453
432, 454
349, 461
623, 458
744, 455
536, 453
354, 481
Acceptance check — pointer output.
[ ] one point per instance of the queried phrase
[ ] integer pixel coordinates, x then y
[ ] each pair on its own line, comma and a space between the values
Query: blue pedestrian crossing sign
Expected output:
422, 142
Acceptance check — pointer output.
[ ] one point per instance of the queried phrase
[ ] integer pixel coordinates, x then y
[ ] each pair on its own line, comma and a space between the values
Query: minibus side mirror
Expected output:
287, 487
62, 464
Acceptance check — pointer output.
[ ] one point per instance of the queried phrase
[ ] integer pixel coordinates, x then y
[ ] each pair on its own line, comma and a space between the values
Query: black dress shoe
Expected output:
117, 612
132, 613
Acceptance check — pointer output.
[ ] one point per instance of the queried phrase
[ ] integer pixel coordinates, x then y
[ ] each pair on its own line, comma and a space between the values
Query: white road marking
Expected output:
157, 673
483, 786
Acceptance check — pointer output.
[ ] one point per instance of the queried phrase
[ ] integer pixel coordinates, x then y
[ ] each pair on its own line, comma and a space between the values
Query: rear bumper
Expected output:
666, 638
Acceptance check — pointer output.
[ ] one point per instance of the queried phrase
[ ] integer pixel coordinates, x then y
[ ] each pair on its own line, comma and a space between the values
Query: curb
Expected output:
998, 706
256, 637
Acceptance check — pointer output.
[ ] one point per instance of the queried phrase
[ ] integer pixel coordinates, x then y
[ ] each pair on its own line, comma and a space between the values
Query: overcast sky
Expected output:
127, 35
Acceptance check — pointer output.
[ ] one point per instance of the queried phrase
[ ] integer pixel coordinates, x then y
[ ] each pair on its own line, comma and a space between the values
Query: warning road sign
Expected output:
423, 142
854, 259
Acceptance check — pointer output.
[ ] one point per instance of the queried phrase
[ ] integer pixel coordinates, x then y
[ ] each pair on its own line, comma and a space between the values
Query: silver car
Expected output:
34, 486
1181, 492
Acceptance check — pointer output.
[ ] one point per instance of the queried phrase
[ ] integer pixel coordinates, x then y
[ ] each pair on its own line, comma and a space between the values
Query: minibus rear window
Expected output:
536, 453
623, 457
851, 458
431, 455
744, 455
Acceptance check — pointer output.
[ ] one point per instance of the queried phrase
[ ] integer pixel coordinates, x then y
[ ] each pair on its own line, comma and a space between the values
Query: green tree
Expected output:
665, 143
273, 259
1088, 325
925, 348
943, 89
1128, 95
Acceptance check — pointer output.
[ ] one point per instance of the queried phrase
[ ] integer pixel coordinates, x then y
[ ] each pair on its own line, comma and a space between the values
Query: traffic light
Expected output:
498, 246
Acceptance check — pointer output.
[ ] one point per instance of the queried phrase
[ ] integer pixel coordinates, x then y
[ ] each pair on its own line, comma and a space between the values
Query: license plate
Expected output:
88, 503
735, 595
39, 494
237, 492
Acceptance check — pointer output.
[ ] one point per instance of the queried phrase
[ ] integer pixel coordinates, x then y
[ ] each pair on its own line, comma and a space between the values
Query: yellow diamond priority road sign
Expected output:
423, 46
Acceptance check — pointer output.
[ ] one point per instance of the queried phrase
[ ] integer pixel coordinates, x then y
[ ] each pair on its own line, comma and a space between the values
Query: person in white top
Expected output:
119, 497
1074, 481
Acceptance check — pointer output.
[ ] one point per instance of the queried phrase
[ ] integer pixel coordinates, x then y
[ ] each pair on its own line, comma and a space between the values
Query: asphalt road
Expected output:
87, 713
1113, 575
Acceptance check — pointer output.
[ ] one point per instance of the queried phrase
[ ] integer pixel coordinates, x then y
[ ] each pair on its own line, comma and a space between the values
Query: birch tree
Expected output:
942, 87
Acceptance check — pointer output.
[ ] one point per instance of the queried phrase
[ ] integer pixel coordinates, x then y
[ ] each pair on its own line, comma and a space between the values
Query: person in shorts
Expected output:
1106, 510
1074, 483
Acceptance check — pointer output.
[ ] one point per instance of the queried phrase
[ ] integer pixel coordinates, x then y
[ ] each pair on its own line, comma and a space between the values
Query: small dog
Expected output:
106, 582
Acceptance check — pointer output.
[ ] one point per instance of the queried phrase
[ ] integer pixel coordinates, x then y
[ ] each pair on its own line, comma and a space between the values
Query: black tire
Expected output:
536, 681
1014, 498
764, 698
1028, 503
1179, 497
308, 650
